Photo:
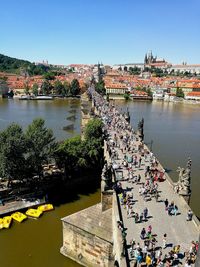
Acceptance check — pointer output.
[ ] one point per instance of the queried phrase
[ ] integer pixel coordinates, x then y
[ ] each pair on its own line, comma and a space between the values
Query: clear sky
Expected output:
108, 31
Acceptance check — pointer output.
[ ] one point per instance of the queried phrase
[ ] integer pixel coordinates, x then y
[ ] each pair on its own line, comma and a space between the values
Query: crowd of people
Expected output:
121, 139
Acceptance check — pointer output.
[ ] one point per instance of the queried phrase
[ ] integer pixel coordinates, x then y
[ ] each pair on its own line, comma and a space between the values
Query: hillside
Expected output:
19, 66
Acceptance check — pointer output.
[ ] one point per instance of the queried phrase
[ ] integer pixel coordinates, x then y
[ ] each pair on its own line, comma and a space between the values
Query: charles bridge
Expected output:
133, 180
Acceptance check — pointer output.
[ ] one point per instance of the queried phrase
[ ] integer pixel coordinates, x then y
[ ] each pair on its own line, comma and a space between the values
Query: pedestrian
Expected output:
160, 264
144, 251
139, 259
139, 162
153, 243
145, 212
149, 229
138, 178
159, 255
133, 244
166, 203
164, 241
136, 218
129, 212
141, 217
148, 260
175, 211
143, 233
189, 215
156, 195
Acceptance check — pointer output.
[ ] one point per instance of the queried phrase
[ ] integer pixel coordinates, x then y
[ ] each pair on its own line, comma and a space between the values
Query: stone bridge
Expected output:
102, 235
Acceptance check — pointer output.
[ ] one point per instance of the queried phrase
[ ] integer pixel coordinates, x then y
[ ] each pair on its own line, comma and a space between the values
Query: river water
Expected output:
172, 129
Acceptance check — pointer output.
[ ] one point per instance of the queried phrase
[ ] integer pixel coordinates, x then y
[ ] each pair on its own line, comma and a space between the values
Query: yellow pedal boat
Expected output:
45, 207
34, 213
7, 221
19, 217
1, 223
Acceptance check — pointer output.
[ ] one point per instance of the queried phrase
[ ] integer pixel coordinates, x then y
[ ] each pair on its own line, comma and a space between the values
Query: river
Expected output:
172, 129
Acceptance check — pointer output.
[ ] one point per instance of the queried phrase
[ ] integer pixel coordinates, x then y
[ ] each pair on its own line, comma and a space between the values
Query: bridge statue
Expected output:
182, 187
141, 129
106, 177
127, 116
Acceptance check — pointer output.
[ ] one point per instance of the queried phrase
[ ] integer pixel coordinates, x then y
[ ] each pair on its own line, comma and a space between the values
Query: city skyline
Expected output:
112, 32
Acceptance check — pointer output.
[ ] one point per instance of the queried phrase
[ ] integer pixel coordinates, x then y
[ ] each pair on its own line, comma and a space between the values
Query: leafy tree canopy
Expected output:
100, 87
93, 129
14, 65
40, 144
35, 89
46, 87
12, 150
58, 87
179, 92
75, 87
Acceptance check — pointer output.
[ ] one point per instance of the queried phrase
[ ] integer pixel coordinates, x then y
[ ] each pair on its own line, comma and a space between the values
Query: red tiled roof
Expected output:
193, 94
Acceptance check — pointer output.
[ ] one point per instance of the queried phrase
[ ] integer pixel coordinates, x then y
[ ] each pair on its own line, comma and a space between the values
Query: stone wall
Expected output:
86, 248
117, 236
106, 199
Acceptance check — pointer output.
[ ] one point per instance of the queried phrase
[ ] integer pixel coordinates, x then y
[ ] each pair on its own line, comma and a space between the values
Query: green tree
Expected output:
93, 129
76, 155
26, 88
40, 145
75, 87
50, 76
70, 155
149, 92
3, 88
100, 87
13, 147
66, 89
126, 96
93, 135
58, 87
46, 87
35, 89
179, 92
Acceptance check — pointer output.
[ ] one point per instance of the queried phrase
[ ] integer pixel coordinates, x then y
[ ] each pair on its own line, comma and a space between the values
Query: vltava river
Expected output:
173, 128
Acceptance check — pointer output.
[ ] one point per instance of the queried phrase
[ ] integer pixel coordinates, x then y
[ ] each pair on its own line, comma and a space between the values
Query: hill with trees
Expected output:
19, 66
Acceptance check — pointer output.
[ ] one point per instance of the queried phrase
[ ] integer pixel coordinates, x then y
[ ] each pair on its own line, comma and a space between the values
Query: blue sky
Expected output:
109, 31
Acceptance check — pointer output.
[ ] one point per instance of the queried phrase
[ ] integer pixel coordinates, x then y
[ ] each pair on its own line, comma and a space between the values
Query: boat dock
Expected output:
17, 205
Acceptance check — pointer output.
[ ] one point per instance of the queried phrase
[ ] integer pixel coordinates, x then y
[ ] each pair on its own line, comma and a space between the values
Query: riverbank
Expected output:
56, 192
37, 242
18, 205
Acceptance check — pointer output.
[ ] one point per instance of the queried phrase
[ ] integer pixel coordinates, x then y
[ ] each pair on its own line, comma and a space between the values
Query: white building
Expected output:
194, 68
158, 94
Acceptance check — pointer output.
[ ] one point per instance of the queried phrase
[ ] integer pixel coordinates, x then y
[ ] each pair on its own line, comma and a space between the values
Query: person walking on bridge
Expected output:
166, 203
164, 241
145, 212
143, 233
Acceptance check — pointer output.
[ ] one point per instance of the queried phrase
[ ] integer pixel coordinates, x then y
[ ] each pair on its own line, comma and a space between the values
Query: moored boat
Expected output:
7, 221
34, 213
45, 207
19, 217
43, 97
32, 97
1, 223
